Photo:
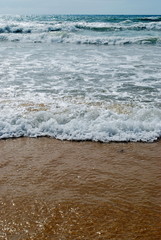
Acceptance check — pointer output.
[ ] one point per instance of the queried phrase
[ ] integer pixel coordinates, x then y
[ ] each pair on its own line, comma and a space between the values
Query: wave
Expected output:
123, 26
117, 41
57, 36
150, 19
40, 27
78, 32
85, 124
26, 28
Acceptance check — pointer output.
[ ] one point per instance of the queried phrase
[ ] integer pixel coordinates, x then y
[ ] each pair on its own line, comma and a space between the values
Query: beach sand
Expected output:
61, 190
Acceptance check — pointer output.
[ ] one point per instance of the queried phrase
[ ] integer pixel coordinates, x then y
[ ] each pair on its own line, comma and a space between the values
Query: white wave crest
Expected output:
85, 124
65, 37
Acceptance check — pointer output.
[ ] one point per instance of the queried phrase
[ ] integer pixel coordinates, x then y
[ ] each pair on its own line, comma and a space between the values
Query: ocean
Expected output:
80, 77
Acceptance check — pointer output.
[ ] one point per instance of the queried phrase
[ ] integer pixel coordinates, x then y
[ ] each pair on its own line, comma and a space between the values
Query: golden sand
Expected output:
60, 190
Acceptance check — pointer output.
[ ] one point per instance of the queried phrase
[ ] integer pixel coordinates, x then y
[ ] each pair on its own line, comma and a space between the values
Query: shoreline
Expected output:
75, 141
52, 189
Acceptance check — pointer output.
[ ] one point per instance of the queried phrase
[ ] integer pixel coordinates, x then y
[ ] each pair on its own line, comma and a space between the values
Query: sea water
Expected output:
80, 77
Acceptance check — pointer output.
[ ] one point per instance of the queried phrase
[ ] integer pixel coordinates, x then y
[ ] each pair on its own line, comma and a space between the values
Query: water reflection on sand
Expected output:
53, 189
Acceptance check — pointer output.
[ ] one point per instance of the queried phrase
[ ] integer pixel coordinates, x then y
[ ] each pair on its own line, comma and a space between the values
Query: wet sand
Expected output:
60, 190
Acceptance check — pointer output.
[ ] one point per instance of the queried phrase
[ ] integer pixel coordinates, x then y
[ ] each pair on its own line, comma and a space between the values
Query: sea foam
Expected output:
80, 78
88, 31
75, 122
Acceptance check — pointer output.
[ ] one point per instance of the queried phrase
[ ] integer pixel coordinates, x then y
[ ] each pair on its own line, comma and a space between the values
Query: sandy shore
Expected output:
62, 190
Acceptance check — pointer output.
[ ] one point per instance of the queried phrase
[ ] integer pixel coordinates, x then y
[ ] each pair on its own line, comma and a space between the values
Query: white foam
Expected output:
80, 93
80, 32
82, 122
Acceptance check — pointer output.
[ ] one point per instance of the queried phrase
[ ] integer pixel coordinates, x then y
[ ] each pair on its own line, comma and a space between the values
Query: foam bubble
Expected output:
75, 122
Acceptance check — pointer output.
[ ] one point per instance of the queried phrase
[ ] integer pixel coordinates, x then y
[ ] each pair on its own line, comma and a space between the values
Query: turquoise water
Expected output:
81, 77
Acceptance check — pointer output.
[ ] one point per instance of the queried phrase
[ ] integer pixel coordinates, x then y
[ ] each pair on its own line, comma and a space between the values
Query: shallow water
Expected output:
65, 190
81, 77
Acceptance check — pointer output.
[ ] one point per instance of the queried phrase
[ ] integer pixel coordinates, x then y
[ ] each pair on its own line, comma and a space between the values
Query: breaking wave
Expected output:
32, 27
109, 31
85, 124
63, 37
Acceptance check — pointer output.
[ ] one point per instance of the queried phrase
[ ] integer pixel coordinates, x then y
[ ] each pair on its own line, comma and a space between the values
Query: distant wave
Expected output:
57, 36
124, 26
31, 27
98, 30
150, 19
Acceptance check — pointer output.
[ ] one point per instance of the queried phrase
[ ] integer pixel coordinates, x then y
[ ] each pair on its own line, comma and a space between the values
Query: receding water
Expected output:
64, 190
